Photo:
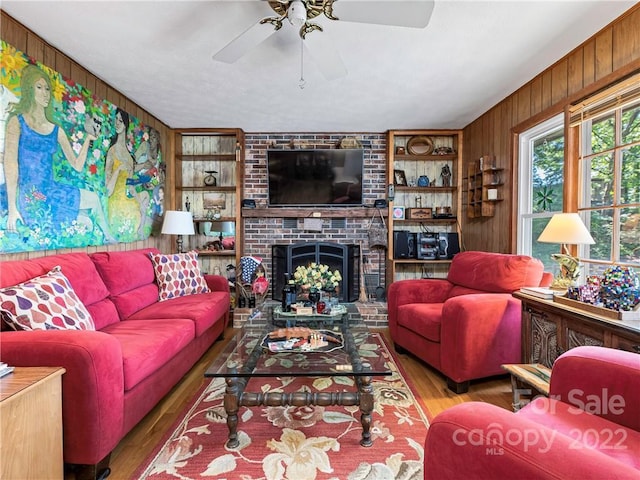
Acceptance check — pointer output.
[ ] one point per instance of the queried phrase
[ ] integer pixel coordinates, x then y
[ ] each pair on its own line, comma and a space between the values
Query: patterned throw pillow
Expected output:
178, 274
47, 302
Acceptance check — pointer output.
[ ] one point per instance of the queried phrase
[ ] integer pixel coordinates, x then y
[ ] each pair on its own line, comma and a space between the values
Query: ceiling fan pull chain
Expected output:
302, 82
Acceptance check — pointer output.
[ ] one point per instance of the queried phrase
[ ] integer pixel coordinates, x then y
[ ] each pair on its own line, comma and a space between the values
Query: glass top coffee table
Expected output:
273, 344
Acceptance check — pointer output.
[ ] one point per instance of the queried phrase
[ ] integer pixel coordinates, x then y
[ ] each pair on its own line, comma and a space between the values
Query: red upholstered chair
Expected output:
467, 325
588, 428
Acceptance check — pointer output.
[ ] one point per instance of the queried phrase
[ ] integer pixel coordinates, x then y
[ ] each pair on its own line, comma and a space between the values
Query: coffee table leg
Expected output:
366, 407
231, 408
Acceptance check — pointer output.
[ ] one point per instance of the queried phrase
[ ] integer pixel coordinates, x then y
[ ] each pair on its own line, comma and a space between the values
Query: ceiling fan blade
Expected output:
325, 56
243, 43
401, 13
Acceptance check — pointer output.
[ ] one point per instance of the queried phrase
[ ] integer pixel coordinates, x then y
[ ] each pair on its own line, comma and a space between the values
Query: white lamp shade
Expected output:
177, 222
566, 228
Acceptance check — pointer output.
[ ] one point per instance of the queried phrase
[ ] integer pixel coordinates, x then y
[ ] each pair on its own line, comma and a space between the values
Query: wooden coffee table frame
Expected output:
237, 380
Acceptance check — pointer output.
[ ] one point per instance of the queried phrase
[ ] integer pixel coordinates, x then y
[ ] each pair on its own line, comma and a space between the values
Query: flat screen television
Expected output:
317, 177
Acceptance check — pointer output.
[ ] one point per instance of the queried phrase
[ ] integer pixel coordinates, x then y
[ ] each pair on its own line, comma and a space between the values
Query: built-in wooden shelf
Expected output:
217, 253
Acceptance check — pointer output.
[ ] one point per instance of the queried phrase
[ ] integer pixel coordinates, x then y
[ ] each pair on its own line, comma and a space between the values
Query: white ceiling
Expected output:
470, 56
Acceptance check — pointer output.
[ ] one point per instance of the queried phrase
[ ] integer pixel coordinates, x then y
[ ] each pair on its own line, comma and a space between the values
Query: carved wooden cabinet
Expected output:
550, 329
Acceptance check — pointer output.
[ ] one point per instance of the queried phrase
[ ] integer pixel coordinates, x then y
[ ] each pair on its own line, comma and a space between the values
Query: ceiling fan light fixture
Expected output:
297, 13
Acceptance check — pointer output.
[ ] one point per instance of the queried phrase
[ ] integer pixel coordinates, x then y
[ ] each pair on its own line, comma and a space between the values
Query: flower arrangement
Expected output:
317, 277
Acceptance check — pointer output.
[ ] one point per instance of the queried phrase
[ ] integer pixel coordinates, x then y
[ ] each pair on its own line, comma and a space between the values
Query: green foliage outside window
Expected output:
603, 185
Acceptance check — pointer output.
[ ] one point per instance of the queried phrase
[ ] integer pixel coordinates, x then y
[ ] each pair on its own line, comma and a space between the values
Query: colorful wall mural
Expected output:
75, 170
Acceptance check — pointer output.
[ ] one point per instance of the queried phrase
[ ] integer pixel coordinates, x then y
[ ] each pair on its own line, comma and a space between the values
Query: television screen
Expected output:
315, 177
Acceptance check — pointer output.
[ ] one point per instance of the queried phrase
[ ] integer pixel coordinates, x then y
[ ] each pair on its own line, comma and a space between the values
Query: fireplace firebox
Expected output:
344, 258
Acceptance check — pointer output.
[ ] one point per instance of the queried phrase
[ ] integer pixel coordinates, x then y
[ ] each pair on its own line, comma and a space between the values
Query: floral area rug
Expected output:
298, 443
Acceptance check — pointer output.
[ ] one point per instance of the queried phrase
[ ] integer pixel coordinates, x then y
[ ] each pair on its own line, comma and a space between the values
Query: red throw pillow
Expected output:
178, 274
47, 302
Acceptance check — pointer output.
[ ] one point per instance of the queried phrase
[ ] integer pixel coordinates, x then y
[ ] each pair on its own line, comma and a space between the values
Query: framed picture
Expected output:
399, 178
398, 213
214, 200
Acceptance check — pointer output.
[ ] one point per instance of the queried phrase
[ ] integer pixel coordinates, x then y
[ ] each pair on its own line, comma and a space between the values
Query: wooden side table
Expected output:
528, 380
31, 423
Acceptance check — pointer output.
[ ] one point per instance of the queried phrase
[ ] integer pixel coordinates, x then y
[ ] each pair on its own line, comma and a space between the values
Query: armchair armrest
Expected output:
425, 290
602, 381
217, 283
481, 441
92, 387
479, 333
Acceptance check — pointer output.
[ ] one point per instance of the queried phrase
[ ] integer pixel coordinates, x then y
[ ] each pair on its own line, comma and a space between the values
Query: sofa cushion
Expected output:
495, 272
424, 319
177, 275
149, 344
204, 309
129, 277
46, 302
587, 431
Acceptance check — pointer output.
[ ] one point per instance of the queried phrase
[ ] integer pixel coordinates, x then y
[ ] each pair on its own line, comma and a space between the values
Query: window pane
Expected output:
630, 185
601, 228
543, 251
631, 124
597, 269
603, 133
548, 169
630, 235
600, 188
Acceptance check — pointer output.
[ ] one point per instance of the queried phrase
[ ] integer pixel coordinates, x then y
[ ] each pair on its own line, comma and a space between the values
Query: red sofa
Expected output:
140, 349
467, 325
588, 428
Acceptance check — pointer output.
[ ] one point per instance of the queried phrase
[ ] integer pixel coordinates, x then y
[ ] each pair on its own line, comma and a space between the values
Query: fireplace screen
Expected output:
344, 258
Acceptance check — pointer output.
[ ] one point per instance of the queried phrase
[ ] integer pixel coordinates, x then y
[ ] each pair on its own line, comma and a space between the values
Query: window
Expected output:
609, 179
540, 187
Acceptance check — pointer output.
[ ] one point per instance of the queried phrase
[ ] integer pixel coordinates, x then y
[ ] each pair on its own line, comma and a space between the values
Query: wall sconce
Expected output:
177, 222
565, 229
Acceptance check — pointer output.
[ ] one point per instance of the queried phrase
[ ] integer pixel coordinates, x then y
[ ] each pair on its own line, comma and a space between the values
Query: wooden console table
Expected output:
31, 433
550, 329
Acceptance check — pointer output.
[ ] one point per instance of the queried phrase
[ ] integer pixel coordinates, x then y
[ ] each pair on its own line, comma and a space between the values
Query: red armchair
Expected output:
588, 428
467, 325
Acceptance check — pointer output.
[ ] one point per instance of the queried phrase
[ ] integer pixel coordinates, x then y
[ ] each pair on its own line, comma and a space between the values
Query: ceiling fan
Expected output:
302, 13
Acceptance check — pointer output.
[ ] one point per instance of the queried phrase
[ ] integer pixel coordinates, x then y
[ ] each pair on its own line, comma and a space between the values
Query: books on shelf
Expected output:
5, 369
540, 292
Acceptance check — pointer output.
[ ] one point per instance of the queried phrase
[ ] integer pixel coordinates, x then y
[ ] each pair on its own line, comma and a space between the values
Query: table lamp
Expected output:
222, 227
566, 228
177, 222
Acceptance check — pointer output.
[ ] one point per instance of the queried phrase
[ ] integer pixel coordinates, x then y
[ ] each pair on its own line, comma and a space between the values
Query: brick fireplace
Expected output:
265, 227
343, 258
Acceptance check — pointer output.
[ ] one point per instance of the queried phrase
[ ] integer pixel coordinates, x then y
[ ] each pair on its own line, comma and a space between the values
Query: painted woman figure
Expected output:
35, 197
124, 208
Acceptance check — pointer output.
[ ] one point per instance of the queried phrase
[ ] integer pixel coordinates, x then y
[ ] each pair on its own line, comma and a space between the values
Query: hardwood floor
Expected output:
431, 386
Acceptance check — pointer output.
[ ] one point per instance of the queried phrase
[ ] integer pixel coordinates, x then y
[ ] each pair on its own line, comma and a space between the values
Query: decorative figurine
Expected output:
446, 175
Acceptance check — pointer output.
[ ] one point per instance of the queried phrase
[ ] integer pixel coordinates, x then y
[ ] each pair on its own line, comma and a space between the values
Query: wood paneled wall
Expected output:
25, 40
609, 55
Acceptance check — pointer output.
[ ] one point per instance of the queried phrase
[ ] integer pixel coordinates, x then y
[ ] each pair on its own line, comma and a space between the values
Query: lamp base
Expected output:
569, 271
179, 244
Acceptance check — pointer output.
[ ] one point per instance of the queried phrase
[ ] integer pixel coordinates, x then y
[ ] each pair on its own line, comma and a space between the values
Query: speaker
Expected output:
448, 245
404, 244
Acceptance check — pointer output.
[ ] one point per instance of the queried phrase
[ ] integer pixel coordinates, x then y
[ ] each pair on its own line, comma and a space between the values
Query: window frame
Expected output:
525, 214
